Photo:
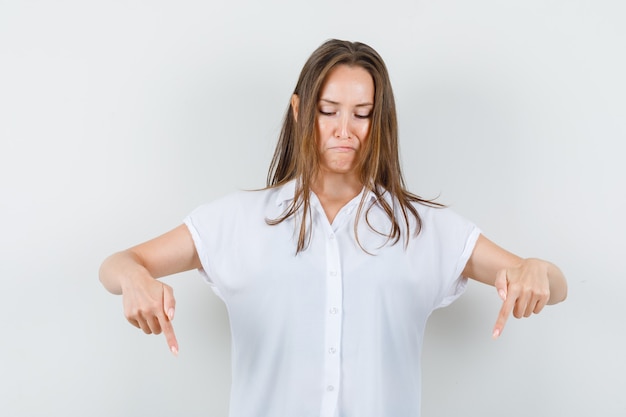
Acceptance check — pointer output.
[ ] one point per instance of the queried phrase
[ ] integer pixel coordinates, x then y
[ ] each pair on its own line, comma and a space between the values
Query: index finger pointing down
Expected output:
503, 316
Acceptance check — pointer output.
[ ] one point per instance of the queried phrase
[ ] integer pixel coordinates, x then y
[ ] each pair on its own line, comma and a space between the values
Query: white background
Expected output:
117, 118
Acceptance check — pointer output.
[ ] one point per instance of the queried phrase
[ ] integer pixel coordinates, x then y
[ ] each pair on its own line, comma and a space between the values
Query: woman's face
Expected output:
343, 119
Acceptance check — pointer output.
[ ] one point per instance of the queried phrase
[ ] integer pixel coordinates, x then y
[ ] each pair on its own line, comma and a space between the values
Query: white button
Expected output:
334, 310
330, 388
331, 236
333, 273
332, 350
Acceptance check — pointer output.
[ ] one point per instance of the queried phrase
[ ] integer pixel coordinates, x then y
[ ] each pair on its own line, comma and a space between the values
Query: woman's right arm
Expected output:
149, 304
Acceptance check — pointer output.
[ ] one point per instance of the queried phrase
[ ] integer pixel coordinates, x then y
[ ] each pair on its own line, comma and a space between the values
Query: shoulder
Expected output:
251, 203
444, 221
436, 214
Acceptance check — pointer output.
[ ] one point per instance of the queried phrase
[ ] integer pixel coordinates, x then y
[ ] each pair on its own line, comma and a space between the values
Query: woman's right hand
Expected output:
149, 305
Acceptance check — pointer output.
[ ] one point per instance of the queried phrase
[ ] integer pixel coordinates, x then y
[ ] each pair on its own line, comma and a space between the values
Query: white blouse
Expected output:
333, 330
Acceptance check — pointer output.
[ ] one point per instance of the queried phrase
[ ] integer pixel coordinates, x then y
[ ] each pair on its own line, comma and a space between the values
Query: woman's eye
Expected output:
329, 112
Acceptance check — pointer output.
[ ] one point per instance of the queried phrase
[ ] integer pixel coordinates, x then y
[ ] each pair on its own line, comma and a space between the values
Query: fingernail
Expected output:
502, 294
174, 350
170, 314
496, 333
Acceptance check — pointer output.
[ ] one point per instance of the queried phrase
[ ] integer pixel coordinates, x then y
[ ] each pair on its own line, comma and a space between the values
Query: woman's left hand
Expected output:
524, 290
524, 285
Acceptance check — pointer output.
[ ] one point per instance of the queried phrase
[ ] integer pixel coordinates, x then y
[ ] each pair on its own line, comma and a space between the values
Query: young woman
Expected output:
330, 272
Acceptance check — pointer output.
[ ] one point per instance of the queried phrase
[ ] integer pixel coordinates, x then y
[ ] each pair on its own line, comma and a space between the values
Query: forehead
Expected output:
348, 82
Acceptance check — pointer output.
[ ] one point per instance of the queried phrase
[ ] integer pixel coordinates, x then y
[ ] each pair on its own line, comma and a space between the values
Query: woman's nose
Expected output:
342, 130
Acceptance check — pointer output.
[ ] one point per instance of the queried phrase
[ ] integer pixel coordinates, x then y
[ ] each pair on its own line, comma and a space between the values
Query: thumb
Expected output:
501, 284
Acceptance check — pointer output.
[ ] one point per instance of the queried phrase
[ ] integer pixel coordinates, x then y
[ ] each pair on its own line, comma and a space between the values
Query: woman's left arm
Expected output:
525, 285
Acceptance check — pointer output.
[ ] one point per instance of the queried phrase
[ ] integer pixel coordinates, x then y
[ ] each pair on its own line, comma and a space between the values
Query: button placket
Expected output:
334, 295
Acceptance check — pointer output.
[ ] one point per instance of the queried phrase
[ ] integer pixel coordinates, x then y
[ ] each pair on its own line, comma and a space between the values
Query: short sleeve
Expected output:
459, 282
211, 227
449, 239
199, 244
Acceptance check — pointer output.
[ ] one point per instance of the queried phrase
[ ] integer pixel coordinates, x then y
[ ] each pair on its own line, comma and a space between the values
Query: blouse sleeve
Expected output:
452, 239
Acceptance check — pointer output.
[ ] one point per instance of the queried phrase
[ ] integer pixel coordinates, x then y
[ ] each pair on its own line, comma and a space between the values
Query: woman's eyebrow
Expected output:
325, 100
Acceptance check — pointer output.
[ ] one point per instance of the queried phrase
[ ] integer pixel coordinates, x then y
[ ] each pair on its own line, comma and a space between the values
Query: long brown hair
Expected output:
296, 155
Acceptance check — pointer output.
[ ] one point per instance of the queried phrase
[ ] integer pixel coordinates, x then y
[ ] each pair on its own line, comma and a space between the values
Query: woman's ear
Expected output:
295, 105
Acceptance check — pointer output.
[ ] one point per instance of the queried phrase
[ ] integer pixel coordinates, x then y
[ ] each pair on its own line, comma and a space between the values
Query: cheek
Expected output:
364, 131
319, 132
323, 132
322, 128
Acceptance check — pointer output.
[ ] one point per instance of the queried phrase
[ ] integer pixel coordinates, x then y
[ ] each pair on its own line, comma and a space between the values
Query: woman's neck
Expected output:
335, 190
